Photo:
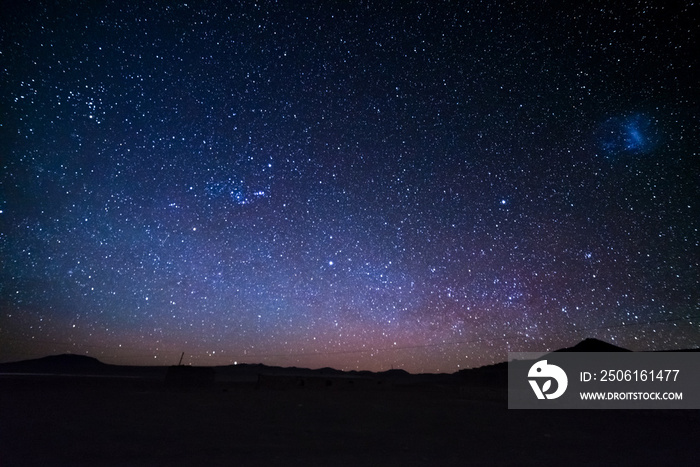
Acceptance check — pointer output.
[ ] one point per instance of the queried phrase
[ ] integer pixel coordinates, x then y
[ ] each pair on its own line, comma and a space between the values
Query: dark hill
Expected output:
65, 363
593, 345
485, 375
498, 373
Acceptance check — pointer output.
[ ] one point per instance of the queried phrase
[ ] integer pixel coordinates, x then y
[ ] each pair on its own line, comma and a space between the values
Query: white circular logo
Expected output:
547, 372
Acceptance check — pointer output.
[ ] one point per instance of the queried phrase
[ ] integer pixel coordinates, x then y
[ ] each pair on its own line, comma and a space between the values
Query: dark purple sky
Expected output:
357, 184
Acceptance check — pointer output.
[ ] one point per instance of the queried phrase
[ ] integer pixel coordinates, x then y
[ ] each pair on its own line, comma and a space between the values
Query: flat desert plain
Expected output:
83, 421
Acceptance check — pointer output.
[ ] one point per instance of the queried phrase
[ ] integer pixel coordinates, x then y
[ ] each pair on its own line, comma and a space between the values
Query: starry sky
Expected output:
363, 184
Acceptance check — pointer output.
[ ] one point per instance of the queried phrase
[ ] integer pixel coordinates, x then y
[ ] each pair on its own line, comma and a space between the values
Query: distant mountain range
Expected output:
68, 364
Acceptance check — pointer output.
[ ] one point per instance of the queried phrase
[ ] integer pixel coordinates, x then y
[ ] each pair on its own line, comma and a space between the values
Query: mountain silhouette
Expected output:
593, 345
84, 365
65, 363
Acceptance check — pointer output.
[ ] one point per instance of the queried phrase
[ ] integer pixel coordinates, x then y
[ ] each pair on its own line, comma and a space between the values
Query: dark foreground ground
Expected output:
57, 421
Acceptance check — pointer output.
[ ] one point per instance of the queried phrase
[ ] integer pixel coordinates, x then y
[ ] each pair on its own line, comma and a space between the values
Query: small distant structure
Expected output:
189, 376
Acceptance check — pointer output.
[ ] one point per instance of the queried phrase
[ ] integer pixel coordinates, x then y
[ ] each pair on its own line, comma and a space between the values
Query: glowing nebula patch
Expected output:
635, 134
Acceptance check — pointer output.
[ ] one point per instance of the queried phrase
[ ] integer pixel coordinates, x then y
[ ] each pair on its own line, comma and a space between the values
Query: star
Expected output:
358, 186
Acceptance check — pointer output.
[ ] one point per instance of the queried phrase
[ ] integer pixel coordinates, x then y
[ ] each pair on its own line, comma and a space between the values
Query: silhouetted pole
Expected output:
181, 357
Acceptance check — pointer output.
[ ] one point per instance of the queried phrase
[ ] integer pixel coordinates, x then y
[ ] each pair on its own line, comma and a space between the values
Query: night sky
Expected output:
356, 184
